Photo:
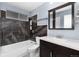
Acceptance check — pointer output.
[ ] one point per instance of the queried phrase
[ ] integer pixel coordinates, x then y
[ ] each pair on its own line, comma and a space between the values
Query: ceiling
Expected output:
29, 6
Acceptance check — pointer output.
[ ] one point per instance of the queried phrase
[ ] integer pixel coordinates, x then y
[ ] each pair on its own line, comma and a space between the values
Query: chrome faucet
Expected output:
58, 36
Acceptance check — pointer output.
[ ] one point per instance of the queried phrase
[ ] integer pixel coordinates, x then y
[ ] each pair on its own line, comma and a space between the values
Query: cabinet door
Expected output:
59, 51
48, 49
44, 52
73, 53
44, 49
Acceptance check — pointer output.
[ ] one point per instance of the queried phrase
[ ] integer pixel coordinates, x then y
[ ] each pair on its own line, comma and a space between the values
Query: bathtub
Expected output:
18, 49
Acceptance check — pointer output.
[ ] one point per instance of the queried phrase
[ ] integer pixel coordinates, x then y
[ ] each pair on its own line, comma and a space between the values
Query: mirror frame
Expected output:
54, 18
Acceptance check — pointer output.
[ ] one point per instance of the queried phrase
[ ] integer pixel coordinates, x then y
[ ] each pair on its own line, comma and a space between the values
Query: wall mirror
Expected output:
62, 17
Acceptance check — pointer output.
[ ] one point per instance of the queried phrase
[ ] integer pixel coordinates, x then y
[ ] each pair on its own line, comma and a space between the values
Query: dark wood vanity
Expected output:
48, 49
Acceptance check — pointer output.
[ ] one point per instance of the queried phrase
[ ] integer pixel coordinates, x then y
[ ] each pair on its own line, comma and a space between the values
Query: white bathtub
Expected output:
18, 49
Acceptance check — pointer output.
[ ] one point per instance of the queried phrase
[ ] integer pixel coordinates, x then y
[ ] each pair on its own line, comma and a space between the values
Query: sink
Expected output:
59, 36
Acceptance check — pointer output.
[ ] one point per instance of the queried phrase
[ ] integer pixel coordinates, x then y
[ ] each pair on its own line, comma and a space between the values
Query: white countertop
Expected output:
73, 44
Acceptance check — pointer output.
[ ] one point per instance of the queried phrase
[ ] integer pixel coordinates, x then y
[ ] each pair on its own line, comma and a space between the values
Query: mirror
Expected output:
62, 17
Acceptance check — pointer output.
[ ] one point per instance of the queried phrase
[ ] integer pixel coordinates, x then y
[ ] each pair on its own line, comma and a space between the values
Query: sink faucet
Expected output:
58, 36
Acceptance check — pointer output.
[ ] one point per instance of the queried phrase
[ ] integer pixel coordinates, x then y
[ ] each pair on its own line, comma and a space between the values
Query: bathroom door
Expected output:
34, 22
33, 25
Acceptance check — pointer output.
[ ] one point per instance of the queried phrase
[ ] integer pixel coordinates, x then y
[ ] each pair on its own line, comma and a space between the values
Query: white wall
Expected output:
0, 5
5, 6
42, 12
71, 34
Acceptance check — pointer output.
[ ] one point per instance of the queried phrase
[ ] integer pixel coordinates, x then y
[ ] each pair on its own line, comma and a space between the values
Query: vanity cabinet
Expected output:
48, 49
